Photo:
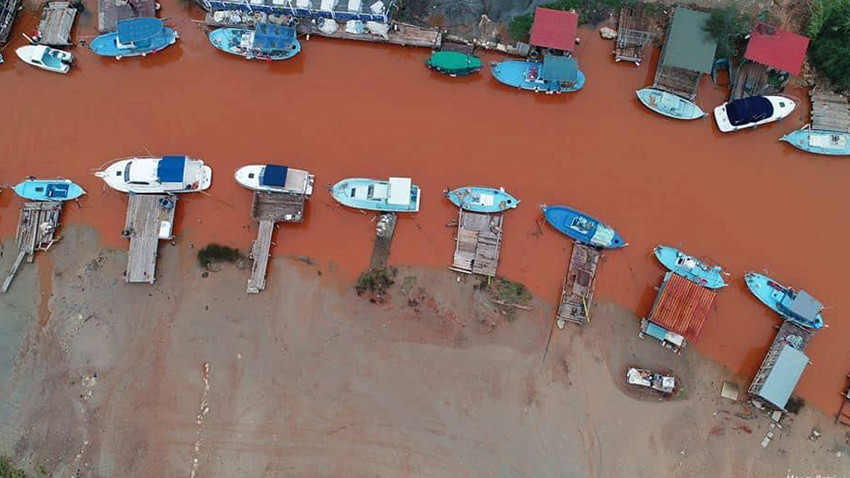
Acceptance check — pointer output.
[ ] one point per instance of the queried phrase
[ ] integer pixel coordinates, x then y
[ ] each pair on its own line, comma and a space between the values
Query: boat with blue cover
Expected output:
582, 228
135, 37
690, 267
669, 105
264, 42
152, 175
798, 307
395, 195
482, 199
555, 74
275, 178
751, 112
818, 141
453, 63
48, 190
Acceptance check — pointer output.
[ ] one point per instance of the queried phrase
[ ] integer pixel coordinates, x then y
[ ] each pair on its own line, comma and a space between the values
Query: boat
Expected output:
555, 74
48, 189
265, 42
751, 112
453, 63
690, 267
46, 58
798, 307
135, 37
395, 195
582, 228
669, 105
642, 377
482, 199
818, 141
275, 178
152, 175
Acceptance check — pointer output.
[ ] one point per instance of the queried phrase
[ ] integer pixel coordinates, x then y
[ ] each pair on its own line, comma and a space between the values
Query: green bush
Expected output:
829, 26
728, 26
376, 281
217, 253
7, 470
520, 27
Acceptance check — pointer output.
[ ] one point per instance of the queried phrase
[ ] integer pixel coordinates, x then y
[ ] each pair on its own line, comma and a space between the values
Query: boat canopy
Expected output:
58, 190
560, 68
399, 191
749, 110
273, 37
138, 29
273, 175
170, 169
803, 305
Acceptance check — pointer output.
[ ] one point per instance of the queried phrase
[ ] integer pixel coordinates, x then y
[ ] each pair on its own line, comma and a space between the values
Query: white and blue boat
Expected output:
798, 307
690, 267
395, 195
275, 178
752, 111
157, 175
48, 190
482, 199
669, 105
46, 58
135, 37
582, 228
555, 74
265, 42
819, 141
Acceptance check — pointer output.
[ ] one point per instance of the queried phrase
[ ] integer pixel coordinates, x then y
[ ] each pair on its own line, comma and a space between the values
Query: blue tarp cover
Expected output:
273, 37
273, 175
783, 377
560, 68
138, 29
748, 110
57, 190
653, 330
170, 169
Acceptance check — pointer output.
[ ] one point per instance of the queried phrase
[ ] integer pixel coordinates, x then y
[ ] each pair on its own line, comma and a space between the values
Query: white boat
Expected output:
751, 112
275, 178
46, 58
168, 174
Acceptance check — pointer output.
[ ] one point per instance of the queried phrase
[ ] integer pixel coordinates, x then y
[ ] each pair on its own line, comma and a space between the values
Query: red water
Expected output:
349, 109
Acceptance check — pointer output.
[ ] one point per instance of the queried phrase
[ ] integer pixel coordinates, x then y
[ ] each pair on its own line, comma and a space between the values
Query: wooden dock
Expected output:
150, 218
57, 19
109, 12
680, 82
632, 36
843, 416
577, 291
830, 111
268, 209
479, 240
384, 231
36, 231
8, 12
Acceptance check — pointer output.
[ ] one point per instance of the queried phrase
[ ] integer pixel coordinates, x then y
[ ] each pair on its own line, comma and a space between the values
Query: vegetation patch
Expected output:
795, 404
509, 296
7, 470
407, 284
728, 26
829, 29
216, 253
376, 282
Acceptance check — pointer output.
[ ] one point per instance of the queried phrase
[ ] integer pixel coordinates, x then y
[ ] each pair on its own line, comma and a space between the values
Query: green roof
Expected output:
688, 46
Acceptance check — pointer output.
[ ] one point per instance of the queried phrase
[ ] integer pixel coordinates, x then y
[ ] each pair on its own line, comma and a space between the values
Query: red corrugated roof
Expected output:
777, 48
554, 29
682, 306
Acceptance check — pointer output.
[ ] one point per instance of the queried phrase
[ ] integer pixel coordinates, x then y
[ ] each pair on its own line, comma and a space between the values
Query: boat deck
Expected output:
109, 12
36, 231
57, 19
148, 221
8, 12
269, 209
632, 36
830, 111
479, 240
577, 291
384, 232
678, 81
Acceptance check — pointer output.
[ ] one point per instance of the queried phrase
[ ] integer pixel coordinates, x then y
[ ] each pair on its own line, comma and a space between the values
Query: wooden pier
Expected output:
843, 416
36, 231
150, 218
8, 12
830, 111
268, 209
109, 12
577, 292
632, 36
57, 19
384, 231
479, 239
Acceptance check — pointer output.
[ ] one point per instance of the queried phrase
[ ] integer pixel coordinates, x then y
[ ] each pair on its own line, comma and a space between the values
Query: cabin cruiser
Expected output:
275, 179
168, 174
751, 112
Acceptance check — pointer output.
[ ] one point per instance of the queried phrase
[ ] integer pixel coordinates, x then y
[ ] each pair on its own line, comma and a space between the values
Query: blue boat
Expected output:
482, 199
135, 37
819, 141
265, 42
555, 74
669, 105
48, 190
798, 307
690, 267
395, 195
582, 228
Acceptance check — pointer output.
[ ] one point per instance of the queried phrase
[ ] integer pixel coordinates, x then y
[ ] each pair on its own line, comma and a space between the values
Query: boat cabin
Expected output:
749, 110
801, 305
169, 169
137, 33
560, 70
269, 40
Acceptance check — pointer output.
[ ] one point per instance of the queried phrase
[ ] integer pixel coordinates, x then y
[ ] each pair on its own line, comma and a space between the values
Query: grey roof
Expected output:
783, 376
805, 306
688, 46
560, 68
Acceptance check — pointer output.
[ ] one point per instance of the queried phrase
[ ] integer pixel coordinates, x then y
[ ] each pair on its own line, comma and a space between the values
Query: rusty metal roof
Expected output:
554, 29
777, 48
682, 306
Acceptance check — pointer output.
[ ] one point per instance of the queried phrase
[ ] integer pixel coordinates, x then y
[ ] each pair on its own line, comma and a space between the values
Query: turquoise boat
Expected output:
819, 141
265, 42
135, 37
798, 307
555, 74
48, 190
669, 105
482, 199
582, 227
453, 63
690, 267
395, 195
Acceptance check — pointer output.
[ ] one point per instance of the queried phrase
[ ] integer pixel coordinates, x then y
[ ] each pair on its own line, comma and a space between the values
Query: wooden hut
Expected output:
781, 368
687, 55
771, 58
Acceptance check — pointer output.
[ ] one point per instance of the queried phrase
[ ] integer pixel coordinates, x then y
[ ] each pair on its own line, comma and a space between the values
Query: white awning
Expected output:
400, 191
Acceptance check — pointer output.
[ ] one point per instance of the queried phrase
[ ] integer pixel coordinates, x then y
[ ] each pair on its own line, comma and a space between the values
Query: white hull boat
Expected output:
46, 58
168, 174
751, 112
275, 179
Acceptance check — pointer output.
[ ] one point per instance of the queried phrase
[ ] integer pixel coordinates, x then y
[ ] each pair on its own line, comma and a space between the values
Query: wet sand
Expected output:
347, 109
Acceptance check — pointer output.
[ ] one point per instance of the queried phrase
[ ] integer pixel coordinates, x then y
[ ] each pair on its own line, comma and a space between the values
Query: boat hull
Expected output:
582, 228
831, 143
298, 181
107, 44
669, 105
46, 58
515, 73
228, 41
346, 192
782, 107
452, 63
771, 293
482, 199
48, 190
114, 177
690, 267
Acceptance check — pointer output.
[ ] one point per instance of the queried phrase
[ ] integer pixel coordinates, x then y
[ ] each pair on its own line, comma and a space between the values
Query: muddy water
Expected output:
347, 109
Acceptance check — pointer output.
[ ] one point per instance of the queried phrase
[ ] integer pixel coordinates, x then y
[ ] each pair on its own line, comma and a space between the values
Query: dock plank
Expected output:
260, 257
36, 231
479, 240
147, 216
57, 19
578, 286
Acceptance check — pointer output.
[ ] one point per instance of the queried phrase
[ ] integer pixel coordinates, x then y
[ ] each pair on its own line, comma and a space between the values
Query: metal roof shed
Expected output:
681, 306
777, 48
554, 29
688, 46
560, 68
782, 377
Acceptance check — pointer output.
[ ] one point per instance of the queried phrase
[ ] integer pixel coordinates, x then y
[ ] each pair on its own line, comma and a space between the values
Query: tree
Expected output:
830, 48
728, 26
7, 470
520, 27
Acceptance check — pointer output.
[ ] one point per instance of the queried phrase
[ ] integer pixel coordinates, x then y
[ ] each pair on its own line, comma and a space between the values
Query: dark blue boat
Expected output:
582, 228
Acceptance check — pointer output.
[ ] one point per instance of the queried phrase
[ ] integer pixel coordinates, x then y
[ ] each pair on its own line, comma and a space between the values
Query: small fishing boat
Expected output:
555, 74
135, 37
265, 42
751, 112
151, 175
48, 190
275, 178
453, 63
582, 228
46, 58
642, 377
395, 195
798, 307
669, 105
482, 199
818, 141
690, 267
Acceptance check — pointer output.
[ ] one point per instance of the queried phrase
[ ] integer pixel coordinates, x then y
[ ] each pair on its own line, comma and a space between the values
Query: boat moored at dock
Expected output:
48, 190
395, 195
135, 37
152, 175
453, 63
798, 307
751, 112
669, 105
265, 42
582, 228
46, 58
832, 143
482, 199
555, 74
275, 179
690, 267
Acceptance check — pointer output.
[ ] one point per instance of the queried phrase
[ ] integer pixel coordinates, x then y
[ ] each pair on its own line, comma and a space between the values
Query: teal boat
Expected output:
135, 37
669, 105
453, 63
395, 195
819, 141
48, 190
482, 199
798, 307
690, 267
555, 74
265, 42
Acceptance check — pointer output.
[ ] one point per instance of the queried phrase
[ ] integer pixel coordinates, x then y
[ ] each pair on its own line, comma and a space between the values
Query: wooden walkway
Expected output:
109, 12
577, 292
36, 231
269, 209
384, 231
479, 240
830, 111
150, 217
632, 36
57, 19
